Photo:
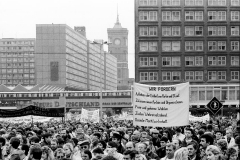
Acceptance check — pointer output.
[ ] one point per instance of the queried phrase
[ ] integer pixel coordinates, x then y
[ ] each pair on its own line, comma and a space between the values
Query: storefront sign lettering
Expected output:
55, 104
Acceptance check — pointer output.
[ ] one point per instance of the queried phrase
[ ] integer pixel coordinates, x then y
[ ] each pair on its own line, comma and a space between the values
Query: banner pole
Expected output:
32, 120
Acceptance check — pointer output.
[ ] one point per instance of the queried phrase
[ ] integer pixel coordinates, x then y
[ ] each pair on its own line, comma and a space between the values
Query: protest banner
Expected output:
84, 115
92, 116
161, 106
26, 119
33, 110
199, 119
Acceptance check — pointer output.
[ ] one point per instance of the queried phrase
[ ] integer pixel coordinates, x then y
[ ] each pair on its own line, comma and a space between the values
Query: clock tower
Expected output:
119, 48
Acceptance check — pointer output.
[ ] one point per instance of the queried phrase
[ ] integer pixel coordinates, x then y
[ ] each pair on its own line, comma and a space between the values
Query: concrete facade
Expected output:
17, 61
194, 41
65, 58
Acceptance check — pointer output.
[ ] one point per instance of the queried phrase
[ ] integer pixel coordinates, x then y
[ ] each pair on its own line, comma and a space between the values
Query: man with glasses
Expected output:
84, 145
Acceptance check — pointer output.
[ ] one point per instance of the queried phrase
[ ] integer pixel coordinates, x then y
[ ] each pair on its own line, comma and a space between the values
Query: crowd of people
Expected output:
119, 140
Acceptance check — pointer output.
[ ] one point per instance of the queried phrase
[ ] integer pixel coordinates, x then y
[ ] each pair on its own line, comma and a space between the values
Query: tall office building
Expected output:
194, 41
119, 48
65, 58
17, 61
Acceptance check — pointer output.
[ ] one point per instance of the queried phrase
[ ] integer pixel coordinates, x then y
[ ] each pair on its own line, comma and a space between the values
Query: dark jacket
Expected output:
197, 157
153, 155
161, 152
120, 149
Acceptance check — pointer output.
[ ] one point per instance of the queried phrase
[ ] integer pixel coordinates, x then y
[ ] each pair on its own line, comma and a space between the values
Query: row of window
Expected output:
188, 2
189, 61
16, 60
17, 48
189, 76
174, 46
18, 81
17, 76
4, 65
189, 16
17, 42
189, 31
17, 70
16, 54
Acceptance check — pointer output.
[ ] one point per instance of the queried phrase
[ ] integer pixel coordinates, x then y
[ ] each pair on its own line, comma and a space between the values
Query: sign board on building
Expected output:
214, 105
86, 103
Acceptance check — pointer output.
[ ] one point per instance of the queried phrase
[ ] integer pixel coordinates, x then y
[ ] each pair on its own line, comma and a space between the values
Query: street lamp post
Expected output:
100, 61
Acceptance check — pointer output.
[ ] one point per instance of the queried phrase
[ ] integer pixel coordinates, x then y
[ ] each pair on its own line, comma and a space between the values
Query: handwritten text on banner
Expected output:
161, 106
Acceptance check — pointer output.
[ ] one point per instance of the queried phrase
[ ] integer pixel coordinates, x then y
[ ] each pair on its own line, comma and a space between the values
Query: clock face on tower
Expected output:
117, 42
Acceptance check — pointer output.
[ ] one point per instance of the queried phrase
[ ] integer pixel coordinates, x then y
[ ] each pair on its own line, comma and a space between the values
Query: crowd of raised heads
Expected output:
120, 140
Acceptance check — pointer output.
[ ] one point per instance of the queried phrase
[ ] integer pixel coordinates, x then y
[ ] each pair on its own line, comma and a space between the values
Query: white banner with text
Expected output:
92, 116
161, 106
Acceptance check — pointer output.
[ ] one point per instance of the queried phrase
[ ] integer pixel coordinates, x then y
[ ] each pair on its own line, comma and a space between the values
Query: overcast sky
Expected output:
18, 18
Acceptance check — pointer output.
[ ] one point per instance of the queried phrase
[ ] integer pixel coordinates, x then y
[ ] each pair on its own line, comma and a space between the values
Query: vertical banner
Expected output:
161, 106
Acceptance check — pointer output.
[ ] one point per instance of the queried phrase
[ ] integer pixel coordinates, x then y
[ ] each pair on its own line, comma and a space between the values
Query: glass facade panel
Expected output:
202, 95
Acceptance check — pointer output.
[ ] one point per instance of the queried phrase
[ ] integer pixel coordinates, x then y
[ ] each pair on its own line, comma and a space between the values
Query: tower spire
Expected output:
117, 14
117, 24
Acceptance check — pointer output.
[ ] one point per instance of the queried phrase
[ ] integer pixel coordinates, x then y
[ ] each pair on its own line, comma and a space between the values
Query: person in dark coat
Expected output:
117, 139
161, 152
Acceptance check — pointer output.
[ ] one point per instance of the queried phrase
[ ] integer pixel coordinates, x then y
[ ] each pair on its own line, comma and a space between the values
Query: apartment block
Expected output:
17, 65
194, 41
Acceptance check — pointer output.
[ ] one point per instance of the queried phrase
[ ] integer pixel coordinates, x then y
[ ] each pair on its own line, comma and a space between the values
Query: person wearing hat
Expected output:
155, 138
117, 139
84, 145
161, 152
